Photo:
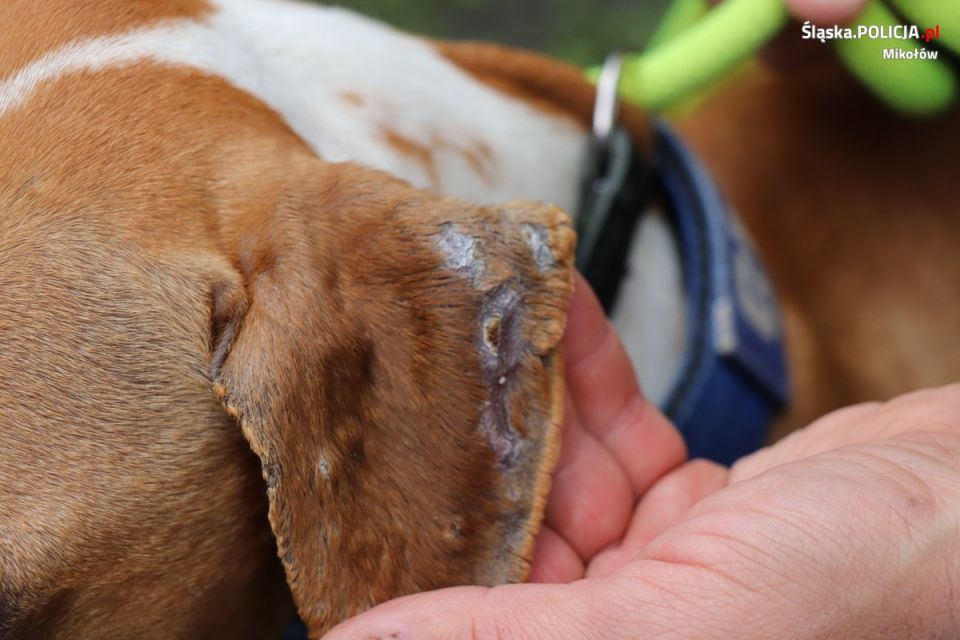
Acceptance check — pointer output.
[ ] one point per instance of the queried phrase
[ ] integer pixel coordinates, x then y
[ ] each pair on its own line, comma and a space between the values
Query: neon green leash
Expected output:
696, 45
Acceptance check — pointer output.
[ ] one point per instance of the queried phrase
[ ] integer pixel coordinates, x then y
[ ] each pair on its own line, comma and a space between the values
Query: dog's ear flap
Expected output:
391, 358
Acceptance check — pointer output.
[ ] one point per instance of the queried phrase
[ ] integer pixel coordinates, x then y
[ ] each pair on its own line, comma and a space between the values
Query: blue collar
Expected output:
733, 381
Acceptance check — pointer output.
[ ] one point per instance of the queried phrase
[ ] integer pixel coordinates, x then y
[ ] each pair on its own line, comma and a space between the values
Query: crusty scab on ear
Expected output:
500, 342
395, 369
501, 347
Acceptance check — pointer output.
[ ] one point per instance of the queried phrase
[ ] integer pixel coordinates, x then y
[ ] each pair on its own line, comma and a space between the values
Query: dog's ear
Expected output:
391, 358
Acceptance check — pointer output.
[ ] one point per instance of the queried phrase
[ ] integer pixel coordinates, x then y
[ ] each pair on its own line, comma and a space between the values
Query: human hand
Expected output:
849, 528
615, 445
826, 11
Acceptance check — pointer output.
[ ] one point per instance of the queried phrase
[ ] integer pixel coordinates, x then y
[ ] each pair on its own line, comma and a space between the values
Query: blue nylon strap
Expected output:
733, 381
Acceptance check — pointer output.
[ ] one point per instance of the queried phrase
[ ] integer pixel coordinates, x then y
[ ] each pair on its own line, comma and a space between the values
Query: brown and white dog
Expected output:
200, 256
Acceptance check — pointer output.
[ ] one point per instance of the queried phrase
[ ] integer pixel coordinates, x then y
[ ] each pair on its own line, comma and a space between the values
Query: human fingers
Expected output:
826, 11
664, 504
603, 387
590, 498
554, 559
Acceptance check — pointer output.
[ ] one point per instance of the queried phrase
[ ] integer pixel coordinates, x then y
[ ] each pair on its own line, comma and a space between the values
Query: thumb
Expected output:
519, 612
646, 600
826, 12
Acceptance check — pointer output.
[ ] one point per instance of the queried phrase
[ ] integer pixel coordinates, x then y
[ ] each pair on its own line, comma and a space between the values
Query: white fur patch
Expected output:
651, 313
167, 42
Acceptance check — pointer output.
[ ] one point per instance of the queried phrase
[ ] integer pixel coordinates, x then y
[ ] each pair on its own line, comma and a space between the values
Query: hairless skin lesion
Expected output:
539, 242
500, 343
464, 254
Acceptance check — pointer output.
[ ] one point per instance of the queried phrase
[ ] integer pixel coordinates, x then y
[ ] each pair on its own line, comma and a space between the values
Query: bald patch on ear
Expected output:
517, 328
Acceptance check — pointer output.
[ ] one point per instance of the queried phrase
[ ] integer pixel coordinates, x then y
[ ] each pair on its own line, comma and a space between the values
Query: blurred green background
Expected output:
581, 31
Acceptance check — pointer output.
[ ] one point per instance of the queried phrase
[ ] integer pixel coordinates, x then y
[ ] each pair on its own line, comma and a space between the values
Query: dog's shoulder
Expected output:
433, 114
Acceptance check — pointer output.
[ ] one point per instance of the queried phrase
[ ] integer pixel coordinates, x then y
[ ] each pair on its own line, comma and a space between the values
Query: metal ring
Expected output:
606, 109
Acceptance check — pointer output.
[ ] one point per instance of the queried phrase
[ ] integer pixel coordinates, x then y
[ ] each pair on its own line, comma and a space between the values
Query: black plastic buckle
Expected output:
614, 195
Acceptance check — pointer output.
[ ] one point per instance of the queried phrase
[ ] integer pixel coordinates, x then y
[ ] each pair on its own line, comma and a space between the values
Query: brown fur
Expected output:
480, 158
49, 25
354, 98
378, 480
413, 151
317, 298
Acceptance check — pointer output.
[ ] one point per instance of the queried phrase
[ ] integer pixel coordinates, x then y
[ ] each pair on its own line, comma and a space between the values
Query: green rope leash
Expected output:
695, 46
